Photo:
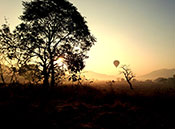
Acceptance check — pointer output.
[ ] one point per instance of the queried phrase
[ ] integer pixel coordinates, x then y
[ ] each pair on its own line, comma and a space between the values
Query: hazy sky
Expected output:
140, 33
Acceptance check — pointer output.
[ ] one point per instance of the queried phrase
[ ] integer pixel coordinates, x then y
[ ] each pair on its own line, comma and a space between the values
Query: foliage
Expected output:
30, 72
165, 81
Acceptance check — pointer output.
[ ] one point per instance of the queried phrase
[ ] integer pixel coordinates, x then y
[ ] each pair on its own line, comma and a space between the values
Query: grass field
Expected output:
99, 106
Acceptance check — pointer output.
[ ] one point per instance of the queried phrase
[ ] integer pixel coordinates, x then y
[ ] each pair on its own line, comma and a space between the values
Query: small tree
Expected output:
10, 55
1, 69
128, 75
31, 73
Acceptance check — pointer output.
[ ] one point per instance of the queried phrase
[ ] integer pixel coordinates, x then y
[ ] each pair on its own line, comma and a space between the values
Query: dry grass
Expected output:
99, 106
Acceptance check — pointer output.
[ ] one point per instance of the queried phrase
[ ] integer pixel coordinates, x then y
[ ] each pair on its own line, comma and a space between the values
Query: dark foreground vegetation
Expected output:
86, 107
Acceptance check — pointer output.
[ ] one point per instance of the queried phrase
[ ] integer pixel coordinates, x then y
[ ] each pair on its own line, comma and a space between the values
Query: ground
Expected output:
85, 107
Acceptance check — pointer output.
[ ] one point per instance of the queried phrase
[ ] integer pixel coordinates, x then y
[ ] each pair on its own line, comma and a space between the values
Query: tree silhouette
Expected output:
2, 69
30, 72
8, 54
50, 29
128, 75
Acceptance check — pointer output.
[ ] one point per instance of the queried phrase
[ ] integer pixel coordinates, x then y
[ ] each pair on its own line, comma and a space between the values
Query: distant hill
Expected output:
165, 73
98, 76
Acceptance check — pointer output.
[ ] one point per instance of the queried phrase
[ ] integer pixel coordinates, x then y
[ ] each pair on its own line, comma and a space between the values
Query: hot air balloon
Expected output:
116, 63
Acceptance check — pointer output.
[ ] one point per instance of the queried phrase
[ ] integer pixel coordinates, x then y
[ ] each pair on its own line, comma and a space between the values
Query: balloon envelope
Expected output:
116, 63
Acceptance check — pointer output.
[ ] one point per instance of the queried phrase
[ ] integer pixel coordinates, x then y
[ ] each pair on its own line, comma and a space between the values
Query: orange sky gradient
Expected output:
140, 33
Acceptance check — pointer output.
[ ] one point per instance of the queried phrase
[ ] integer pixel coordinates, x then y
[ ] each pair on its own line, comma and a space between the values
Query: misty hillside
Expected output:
98, 76
165, 73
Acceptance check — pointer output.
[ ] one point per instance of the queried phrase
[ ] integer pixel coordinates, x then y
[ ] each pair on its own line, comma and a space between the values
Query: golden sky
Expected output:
140, 33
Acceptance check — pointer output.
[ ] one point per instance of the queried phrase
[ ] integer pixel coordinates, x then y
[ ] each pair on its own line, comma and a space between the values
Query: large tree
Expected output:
51, 29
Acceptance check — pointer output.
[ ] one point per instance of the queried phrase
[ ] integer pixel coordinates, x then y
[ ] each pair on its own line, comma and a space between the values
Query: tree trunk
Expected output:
46, 82
52, 74
2, 76
130, 84
46, 78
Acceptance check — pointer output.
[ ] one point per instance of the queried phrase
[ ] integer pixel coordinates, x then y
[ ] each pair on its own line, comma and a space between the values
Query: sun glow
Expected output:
59, 61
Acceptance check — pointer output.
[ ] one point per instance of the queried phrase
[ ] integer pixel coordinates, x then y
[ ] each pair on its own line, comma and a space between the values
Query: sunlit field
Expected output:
102, 105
